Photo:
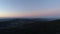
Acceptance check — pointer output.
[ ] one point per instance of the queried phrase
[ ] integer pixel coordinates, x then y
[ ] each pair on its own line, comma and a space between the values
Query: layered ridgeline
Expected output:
38, 19
19, 22
24, 25
6, 19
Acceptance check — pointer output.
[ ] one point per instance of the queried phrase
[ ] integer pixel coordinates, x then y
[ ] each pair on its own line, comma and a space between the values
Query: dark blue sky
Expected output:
30, 8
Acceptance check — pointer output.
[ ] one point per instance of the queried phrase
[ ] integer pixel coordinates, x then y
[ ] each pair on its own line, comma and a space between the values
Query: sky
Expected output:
30, 8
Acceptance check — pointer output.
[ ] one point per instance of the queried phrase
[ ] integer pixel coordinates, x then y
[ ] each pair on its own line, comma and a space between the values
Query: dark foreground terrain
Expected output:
30, 26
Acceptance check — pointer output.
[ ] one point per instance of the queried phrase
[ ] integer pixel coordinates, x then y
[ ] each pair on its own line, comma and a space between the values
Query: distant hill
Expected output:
27, 26
40, 19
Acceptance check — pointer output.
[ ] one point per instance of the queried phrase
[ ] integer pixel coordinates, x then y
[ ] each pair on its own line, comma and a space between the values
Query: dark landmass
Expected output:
30, 26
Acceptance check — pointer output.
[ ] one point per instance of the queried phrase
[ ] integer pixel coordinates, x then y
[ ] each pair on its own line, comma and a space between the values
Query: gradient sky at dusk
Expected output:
30, 8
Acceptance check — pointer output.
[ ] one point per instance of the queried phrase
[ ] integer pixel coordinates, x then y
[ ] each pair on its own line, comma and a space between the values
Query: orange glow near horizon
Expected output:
32, 14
